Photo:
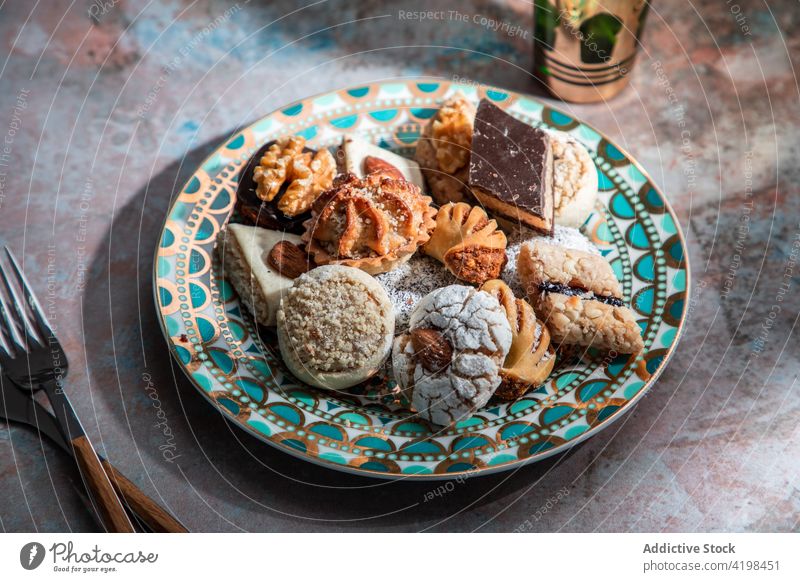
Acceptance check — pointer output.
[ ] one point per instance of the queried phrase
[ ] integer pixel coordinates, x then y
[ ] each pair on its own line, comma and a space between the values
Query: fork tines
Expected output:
22, 319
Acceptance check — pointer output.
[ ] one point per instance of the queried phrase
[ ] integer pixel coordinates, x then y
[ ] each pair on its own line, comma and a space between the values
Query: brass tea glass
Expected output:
585, 49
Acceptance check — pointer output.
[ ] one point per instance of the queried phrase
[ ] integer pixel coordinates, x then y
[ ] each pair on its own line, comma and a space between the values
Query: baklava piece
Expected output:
247, 260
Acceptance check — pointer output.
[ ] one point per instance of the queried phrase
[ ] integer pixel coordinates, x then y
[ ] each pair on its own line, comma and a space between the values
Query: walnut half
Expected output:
305, 173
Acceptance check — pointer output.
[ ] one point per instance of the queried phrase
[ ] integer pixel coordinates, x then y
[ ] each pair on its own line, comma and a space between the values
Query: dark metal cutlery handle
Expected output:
150, 512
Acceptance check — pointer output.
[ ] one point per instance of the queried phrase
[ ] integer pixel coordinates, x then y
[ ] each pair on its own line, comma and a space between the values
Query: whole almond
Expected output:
289, 259
432, 349
373, 165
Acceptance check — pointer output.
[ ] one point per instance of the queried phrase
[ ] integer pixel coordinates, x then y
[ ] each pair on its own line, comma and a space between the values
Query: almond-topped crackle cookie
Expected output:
468, 243
578, 297
451, 357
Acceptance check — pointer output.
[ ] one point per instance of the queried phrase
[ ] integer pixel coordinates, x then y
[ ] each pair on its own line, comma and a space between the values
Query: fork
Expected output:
16, 405
33, 359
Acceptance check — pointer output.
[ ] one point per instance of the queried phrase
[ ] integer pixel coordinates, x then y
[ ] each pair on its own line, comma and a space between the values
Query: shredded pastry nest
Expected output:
452, 134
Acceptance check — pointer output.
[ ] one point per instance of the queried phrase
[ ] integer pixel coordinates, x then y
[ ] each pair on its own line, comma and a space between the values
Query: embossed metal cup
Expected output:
585, 49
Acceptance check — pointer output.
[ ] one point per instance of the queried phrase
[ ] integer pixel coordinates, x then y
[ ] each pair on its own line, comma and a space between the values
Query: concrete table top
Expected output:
106, 108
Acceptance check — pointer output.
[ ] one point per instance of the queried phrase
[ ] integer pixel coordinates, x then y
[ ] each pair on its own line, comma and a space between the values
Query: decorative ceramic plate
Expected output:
218, 345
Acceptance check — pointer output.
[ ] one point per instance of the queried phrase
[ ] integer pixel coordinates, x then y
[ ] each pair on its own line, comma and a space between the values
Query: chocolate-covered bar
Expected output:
511, 168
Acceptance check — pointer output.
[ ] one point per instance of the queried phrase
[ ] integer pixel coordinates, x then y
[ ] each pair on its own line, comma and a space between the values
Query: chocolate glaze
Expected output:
509, 159
578, 292
254, 211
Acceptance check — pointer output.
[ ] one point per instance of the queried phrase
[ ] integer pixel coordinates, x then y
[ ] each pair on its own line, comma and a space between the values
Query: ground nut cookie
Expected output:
576, 320
335, 327
578, 297
574, 180
451, 357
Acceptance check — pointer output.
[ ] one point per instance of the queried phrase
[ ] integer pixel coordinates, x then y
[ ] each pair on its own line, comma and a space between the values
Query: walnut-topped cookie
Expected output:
373, 223
281, 181
305, 174
468, 243
450, 358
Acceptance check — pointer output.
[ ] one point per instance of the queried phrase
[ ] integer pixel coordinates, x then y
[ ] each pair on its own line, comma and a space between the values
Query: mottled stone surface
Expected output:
106, 108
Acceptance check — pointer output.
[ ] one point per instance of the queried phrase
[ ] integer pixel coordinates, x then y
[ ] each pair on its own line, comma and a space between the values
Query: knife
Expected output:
21, 408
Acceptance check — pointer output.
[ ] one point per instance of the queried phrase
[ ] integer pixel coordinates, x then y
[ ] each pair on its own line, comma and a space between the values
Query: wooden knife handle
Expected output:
112, 513
150, 512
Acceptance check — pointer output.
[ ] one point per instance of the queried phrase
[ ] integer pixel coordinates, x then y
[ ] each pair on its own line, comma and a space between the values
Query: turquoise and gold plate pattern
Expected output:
217, 344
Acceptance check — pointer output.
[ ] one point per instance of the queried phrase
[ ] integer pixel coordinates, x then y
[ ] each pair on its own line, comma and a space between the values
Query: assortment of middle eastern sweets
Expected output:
463, 271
